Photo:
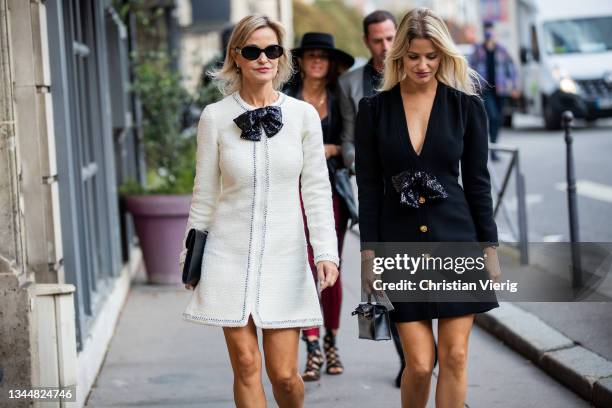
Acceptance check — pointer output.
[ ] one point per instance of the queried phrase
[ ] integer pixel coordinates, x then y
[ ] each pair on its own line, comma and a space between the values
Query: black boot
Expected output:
435, 353
398, 379
400, 353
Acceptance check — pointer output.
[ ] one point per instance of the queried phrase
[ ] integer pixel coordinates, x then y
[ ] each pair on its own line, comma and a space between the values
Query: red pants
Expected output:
331, 297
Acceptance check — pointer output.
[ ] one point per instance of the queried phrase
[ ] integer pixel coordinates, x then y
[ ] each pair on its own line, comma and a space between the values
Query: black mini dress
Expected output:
456, 139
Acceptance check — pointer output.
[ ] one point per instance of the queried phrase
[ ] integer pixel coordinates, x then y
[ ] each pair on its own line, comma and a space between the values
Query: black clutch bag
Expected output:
195, 242
373, 320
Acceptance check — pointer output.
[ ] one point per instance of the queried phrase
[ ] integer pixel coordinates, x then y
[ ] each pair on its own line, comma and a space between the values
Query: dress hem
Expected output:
444, 315
281, 324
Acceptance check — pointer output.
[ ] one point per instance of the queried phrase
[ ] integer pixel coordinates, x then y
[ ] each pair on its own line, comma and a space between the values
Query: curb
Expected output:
584, 372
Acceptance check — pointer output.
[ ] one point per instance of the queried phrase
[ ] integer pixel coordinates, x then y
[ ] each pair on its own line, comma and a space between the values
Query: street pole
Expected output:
567, 120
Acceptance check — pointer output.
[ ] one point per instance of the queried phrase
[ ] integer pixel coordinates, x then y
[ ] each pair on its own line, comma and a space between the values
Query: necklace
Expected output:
279, 100
317, 104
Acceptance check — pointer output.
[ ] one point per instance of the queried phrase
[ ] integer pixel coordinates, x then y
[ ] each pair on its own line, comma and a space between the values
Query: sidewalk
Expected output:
572, 341
158, 360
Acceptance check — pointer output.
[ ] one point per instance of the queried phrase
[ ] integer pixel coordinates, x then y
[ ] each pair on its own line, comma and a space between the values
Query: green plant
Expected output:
169, 149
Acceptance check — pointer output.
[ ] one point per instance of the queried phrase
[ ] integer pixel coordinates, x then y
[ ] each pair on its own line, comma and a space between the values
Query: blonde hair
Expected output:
423, 23
227, 78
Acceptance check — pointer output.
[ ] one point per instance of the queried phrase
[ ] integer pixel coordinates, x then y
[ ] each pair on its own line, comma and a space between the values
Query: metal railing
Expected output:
518, 226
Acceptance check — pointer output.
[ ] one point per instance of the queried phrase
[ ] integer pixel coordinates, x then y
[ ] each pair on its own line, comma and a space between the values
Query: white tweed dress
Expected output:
246, 194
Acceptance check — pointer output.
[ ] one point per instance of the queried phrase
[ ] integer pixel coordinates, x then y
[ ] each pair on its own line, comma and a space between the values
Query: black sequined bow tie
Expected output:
251, 122
412, 185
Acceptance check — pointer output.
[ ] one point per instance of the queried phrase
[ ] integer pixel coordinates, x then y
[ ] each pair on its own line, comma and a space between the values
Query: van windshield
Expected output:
578, 36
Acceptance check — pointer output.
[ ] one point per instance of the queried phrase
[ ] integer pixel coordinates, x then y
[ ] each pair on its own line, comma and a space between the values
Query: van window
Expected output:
585, 35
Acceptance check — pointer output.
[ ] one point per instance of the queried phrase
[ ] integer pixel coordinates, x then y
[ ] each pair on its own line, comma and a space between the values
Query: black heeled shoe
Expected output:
314, 361
398, 379
331, 355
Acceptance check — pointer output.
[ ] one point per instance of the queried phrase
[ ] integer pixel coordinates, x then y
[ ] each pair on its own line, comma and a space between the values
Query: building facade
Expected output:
69, 137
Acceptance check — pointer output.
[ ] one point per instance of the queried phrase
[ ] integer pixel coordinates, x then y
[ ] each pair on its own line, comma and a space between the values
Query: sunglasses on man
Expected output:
252, 52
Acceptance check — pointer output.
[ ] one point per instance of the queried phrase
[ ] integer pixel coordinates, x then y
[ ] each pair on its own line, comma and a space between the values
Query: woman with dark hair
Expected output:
319, 62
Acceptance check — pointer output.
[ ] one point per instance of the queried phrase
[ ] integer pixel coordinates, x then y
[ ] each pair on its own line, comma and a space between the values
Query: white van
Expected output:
566, 58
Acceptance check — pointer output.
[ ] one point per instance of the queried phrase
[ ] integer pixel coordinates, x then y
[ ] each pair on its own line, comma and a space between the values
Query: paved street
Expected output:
542, 159
542, 156
158, 360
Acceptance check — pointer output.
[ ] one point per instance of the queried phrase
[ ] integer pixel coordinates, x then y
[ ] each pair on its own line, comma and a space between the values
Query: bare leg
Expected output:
281, 356
246, 363
418, 346
453, 337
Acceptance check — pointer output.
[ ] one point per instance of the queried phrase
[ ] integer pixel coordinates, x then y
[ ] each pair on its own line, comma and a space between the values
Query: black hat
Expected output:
323, 41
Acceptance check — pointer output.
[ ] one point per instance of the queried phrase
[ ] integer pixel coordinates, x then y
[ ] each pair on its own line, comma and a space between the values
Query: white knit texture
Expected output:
246, 194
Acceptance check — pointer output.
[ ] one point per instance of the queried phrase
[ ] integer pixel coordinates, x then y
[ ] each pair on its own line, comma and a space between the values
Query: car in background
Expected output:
565, 49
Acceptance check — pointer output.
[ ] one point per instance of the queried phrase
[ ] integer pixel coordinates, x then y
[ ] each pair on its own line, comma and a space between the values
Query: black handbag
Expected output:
341, 180
373, 320
195, 242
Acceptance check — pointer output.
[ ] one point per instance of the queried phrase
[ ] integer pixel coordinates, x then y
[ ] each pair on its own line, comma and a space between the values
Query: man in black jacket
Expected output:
378, 33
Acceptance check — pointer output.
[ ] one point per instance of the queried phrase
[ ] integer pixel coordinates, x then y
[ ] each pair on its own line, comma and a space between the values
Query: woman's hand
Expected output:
187, 286
492, 263
332, 150
327, 273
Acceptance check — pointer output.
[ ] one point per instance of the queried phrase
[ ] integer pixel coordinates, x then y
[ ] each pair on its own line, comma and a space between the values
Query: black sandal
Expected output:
314, 361
331, 355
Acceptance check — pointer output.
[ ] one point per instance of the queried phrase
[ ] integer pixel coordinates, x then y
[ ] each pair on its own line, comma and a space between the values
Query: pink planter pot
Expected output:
160, 222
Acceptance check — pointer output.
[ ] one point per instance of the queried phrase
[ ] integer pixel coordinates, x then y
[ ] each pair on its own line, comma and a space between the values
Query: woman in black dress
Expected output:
428, 121
316, 83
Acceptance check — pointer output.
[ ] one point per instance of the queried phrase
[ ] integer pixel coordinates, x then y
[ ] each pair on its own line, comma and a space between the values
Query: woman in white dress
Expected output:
255, 148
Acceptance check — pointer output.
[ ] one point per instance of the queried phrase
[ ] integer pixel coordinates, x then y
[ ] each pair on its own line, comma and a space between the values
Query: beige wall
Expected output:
280, 10
35, 141
28, 230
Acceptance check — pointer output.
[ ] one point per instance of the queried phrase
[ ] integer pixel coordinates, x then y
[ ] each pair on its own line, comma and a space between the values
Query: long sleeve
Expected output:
316, 191
347, 136
474, 173
510, 67
369, 174
206, 184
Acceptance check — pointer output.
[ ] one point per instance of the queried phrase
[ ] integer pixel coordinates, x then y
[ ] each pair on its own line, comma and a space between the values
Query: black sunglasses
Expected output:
252, 52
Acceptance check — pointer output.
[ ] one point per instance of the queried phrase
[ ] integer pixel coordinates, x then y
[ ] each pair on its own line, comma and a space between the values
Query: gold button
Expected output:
421, 200
423, 228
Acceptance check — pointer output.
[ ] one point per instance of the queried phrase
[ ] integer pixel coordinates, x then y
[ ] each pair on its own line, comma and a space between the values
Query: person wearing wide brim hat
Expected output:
320, 63
324, 41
